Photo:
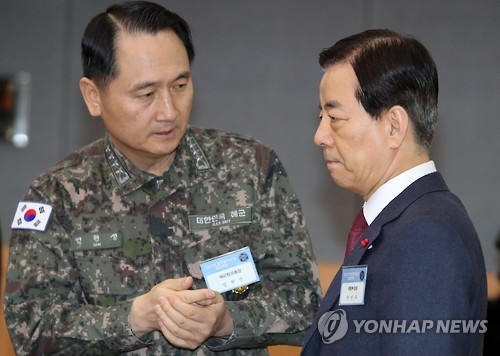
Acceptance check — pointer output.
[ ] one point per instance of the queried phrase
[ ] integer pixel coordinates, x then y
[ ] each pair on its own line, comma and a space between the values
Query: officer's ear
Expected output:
90, 93
397, 124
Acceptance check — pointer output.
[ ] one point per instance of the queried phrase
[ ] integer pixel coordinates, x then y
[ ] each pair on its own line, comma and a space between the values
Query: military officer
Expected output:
108, 247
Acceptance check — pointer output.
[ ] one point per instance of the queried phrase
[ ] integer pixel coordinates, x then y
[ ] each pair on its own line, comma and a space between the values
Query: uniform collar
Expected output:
190, 165
127, 177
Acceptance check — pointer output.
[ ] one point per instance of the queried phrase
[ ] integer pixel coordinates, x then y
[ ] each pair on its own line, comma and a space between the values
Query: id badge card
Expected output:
231, 271
352, 290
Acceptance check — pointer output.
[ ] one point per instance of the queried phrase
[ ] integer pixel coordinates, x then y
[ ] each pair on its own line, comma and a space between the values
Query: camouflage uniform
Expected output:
116, 231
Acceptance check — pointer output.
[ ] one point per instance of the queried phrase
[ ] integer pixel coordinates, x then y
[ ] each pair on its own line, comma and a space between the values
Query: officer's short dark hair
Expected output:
98, 42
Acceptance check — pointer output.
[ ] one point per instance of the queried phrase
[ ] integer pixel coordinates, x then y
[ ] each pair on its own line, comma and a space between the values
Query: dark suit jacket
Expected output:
425, 264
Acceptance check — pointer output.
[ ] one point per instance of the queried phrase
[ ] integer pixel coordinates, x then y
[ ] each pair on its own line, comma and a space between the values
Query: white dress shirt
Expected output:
392, 188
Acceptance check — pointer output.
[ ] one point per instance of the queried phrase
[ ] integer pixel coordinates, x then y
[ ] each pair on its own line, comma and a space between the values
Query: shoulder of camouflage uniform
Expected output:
232, 143
70, 165
43, 195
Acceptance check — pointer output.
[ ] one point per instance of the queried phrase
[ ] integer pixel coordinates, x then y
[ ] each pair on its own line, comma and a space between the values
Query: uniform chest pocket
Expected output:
111, 275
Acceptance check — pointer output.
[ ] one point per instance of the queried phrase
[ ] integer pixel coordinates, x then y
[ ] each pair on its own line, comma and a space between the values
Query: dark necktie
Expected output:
358, 227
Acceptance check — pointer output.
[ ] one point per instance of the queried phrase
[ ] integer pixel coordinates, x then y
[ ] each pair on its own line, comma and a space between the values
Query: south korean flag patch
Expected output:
31, 216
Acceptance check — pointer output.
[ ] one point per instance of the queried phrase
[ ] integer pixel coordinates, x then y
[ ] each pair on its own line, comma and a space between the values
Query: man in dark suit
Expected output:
414, 283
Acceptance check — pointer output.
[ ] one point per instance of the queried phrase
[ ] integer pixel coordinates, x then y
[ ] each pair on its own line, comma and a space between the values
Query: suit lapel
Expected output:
333, 293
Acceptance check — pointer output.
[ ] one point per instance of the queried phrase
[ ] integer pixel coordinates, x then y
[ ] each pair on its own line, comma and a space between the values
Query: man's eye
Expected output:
180, 86
332, 118
145, 94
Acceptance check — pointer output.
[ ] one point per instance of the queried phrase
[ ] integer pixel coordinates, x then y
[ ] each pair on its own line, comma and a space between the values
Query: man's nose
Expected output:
167, 109
322, 137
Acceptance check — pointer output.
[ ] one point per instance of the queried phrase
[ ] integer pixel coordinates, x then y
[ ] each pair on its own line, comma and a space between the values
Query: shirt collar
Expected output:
392, 188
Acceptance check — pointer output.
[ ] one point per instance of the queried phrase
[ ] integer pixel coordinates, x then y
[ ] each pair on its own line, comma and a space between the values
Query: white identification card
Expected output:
31, 216
352, 290
230, 271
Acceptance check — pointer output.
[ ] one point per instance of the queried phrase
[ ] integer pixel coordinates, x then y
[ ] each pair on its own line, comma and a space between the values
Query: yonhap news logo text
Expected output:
333, 326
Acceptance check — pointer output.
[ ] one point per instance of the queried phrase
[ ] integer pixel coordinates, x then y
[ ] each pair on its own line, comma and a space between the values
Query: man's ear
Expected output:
398, 124
91, 96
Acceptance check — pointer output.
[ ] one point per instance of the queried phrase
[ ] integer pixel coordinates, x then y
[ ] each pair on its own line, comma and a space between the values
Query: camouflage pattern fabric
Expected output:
116, 231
